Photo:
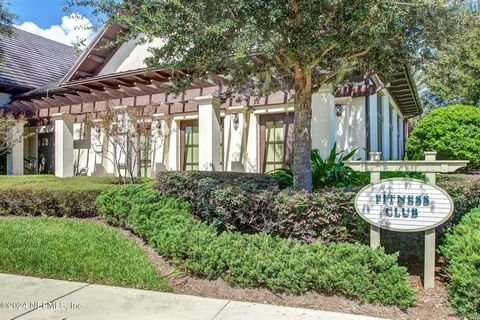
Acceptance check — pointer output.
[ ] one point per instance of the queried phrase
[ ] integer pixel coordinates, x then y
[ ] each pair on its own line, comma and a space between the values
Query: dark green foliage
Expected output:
256, 260
462, 251
453, 131
256, 203
329, 172
50, 196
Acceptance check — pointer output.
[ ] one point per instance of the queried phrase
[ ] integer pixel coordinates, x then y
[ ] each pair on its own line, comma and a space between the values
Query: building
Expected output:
193, 131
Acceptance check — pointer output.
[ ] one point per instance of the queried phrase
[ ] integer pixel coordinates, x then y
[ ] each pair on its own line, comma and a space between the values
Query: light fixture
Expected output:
339, 109
236, 120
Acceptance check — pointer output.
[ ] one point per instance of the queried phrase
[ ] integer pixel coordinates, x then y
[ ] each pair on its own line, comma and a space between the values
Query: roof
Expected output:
84, 83
32, 61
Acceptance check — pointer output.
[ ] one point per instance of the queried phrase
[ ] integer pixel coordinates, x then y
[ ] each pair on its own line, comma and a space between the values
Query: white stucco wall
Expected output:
233, 139
350, 128
129, 56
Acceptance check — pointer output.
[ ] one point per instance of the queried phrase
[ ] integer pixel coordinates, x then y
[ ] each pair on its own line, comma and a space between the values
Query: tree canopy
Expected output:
455, 75
261, 46
6, 21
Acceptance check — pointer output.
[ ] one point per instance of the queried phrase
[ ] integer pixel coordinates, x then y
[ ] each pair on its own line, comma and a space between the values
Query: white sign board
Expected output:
405, 205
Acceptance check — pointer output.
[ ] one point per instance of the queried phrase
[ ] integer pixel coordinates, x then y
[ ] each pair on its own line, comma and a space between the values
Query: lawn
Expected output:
50, 182
75, 250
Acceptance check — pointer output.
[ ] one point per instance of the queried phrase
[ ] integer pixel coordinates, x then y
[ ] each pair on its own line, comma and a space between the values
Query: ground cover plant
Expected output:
462, 251
259, 259
50, 196
74, 250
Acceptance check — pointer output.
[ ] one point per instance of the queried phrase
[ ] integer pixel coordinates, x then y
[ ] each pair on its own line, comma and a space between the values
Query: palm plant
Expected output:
329, 172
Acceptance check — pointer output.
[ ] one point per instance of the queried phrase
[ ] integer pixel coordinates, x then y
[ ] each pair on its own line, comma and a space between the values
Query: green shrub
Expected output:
462, 251
256, 260
453, 131
51, 196
256, 203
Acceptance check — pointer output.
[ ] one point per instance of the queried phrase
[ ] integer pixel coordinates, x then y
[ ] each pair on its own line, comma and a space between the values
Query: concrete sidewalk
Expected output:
35, 298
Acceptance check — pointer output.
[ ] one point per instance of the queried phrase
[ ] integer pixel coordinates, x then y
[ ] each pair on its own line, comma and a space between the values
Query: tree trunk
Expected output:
302, 167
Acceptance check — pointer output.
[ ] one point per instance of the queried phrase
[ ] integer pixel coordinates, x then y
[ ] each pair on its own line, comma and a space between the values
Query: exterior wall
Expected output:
241, 140
4, 98
130, 56
397, 124
350, 128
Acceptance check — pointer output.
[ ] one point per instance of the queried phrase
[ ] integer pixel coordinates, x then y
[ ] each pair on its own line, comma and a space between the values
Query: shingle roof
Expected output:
32, 61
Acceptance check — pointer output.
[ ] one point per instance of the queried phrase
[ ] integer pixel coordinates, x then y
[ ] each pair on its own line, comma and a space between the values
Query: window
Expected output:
276, 132
274, 145
189, 145
380, 122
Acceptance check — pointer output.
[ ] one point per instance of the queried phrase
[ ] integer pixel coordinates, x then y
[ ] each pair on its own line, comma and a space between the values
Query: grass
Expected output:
50, 182
75, 250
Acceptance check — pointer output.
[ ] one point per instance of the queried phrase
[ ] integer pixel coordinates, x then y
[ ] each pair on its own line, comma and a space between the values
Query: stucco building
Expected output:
193, 131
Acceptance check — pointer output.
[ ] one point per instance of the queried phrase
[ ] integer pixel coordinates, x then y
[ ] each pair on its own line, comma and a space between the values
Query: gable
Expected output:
129, 56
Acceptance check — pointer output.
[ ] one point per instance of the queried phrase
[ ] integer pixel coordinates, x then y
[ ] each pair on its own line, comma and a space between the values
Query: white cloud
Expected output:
74, 28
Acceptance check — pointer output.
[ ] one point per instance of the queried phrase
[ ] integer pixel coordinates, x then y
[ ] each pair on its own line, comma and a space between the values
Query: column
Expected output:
386, 128
173, 152
395, 134
401, 156
15, 162
373, 114
323, 121
209, 133
126, 143
160, 140
252, 144
63, 144
429, 264
96, 156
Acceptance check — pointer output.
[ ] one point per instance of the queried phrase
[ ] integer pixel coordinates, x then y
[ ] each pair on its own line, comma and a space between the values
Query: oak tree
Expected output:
261, 46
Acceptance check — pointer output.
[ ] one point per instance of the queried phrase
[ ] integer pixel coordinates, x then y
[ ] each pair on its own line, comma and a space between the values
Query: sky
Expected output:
48, 19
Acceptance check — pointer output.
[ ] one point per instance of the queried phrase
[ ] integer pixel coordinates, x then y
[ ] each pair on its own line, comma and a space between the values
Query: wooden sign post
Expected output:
406, 205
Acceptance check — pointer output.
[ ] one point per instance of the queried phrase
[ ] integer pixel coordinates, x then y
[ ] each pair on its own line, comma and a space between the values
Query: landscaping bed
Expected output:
74, 250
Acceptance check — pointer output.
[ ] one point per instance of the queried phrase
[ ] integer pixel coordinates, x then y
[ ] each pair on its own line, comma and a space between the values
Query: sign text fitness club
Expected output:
402, 205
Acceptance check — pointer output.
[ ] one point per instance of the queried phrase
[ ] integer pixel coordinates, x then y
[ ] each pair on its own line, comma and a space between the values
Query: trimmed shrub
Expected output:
253, 203
256, 260
462, 251
453, 131
50, 196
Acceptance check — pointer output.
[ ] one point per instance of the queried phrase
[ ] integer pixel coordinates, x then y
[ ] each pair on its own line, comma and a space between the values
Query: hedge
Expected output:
256, 260
51, 196
253, 203
462, 252
453, 131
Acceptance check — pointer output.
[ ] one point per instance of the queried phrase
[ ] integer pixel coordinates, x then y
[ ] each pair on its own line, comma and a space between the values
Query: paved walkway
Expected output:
34, 298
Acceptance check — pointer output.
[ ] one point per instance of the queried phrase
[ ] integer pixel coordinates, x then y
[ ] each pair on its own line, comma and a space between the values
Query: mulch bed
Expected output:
431, 304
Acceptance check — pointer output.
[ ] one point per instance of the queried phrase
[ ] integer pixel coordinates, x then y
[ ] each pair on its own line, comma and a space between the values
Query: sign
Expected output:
405, 205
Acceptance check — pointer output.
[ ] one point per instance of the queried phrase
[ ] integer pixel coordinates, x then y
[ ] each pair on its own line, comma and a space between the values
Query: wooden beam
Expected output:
42, 103
115, 93
130, 90
64, 100
97, 58
146, 88
87, 97
83, 74
75, 98
53, 102
101, 94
